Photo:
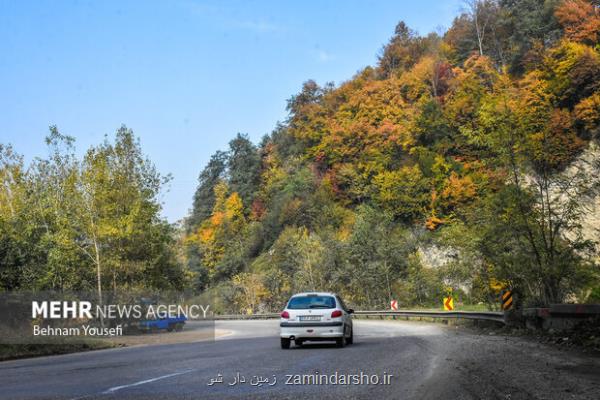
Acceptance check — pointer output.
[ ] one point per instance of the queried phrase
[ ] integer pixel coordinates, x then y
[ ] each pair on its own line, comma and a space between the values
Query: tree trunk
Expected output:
99, 277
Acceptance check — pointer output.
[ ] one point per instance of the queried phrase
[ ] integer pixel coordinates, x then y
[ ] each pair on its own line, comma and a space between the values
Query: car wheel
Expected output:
340, 342
170, 328
179, 327
285, 343
350, 339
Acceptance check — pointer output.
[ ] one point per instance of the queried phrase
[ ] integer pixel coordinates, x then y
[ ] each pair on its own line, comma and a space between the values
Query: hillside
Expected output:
458, 141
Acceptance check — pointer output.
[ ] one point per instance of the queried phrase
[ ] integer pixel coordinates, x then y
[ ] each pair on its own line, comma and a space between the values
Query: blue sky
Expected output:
185, 75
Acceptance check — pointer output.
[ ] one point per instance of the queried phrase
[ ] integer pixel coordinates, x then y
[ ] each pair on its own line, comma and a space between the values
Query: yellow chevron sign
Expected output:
448, 303
507, 300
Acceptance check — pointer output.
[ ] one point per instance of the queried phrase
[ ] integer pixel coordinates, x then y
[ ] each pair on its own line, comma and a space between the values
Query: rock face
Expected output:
590, 222
435, 256
589, 163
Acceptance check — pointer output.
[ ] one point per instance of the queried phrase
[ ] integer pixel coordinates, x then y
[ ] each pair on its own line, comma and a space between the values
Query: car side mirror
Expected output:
350, 311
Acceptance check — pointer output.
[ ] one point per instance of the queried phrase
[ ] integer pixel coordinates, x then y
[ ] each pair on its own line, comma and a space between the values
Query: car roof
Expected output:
314, 294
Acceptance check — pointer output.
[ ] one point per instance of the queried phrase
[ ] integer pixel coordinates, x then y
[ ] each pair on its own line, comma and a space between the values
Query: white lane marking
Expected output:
224, 335
117, 388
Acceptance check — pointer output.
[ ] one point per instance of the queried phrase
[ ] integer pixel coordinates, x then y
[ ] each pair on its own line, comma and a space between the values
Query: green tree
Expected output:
204, 198
244, 168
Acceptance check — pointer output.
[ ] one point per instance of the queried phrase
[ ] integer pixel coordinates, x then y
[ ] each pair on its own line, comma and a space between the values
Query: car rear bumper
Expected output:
308, 330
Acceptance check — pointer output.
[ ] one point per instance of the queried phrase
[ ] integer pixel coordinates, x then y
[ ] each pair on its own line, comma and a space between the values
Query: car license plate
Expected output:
310, 318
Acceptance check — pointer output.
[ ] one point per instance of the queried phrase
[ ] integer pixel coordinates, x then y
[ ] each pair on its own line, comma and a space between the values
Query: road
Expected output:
427, 361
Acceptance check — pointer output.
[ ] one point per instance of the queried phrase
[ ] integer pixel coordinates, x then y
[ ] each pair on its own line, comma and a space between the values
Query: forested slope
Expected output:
458, 142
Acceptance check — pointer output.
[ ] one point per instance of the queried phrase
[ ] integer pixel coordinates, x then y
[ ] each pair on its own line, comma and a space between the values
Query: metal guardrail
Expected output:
246, 316
474, 315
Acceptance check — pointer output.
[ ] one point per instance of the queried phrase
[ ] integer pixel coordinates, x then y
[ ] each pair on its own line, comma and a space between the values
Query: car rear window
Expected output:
306, 302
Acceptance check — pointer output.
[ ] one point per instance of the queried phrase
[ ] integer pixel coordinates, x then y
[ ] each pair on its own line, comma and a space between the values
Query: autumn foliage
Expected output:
438, 129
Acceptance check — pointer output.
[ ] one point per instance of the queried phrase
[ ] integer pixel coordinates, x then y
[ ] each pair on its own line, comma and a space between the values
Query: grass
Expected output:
15, 351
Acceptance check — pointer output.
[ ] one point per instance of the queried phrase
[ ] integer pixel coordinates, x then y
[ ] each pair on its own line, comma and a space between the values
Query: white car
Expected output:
316, 317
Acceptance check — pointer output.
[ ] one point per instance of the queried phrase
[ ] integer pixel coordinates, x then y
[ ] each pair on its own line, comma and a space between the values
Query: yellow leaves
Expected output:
227, 221
426, 80
403, 192
233, 207
108, 229
556, 145
250, 291
441, 166
533, 90
220, 195
373, 103
573, 71
467, 88
587, 112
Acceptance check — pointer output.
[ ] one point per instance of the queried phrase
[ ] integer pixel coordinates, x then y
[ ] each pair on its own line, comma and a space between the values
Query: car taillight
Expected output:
285, 314
336, 314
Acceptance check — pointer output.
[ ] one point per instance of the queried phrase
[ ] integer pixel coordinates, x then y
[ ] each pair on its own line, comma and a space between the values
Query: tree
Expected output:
482, 13
476, 134
587, 115
244, 168
251, 292
541, 206
572, 73
72, 224
402, 52
405, 193
13, 253
220, 238
531, 28
117, 216
580, 19
204, 199
377, 254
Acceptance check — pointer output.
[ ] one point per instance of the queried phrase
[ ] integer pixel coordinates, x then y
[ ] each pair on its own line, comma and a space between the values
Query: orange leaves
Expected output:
206, 235
217, 218
580, 20
225, 223
433, 222
458, 190
367, 125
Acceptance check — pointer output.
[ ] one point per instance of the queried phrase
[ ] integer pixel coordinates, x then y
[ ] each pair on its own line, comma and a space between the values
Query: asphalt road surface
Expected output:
426, 361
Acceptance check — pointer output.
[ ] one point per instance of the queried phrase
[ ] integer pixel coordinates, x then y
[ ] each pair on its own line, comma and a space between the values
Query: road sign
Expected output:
507, 300
448, 303
394, 305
